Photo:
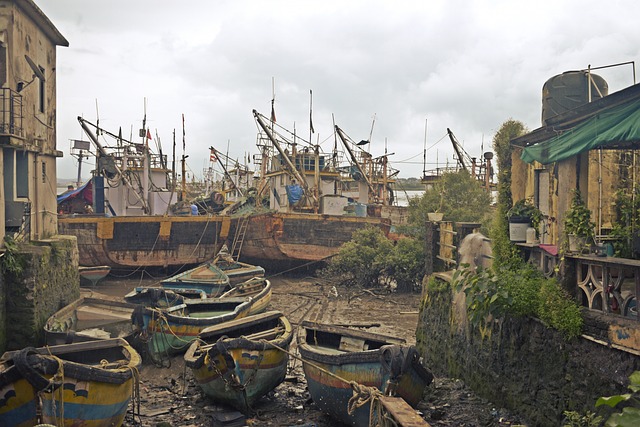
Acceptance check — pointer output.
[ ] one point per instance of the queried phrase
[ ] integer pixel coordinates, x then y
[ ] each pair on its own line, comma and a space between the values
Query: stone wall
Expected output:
49, 281
520, 364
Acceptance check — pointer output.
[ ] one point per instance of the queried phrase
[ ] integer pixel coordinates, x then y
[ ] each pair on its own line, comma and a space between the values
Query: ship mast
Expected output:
343, 138
287, 160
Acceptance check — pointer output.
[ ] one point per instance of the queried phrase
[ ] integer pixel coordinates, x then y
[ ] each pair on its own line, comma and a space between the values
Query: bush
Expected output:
370, 260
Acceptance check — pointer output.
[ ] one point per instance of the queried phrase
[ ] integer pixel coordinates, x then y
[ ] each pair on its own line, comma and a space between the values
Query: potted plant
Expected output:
577, 223
522, 215
438, 214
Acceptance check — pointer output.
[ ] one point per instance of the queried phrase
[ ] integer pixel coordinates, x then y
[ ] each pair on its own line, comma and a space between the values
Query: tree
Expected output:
458, 195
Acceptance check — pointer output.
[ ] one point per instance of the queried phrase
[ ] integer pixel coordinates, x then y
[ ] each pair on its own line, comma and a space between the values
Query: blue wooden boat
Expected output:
207, 277
364, 358
82, 384
161, 297
235, 362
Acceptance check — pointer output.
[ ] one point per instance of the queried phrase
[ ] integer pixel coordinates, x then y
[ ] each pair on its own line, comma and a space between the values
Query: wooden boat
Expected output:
237, 271
234, 362
80, 384
88, 319
366, 358
257, 289
170, 330
94, 274
207, 277
160, 297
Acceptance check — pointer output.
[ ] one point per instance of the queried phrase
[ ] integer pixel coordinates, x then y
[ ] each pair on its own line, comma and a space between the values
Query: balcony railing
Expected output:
11, 113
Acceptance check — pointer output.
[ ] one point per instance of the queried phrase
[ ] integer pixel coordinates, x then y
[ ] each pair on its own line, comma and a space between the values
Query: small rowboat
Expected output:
207, 277
237, 271
80, 384
88, 319
160, 297
94, 273
237, 362
257, 289
335, 358
169, 322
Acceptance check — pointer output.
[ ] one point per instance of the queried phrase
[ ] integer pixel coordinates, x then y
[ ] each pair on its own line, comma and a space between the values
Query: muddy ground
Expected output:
169, 396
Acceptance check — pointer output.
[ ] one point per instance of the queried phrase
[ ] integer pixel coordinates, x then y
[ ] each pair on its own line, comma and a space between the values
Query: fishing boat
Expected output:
128, 215
258, 290
336, 357
80, 384
160, 297
169, 330
314, 205
207, 277
235, 270
88, 319
240, 361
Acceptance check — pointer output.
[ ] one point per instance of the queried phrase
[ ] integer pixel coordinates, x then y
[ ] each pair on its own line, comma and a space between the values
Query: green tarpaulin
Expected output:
612, 126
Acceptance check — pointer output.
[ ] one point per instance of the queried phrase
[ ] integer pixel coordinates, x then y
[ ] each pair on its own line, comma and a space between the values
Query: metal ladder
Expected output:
238, 238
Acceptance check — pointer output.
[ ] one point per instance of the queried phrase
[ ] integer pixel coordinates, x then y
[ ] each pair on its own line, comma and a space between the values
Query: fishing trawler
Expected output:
129, 215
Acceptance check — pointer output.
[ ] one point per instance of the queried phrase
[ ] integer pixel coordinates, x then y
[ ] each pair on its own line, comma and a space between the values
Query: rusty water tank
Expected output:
569, 90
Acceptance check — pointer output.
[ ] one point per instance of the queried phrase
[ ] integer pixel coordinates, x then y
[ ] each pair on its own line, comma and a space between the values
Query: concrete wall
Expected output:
48, 282
520, 364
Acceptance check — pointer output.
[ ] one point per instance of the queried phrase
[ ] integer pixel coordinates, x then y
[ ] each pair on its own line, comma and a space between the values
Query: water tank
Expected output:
569, 90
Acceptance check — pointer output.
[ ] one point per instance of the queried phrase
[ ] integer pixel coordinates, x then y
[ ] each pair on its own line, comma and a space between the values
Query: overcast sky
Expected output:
464, 65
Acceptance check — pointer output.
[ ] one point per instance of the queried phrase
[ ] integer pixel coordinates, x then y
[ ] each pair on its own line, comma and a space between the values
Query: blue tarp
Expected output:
75, 193
294, 193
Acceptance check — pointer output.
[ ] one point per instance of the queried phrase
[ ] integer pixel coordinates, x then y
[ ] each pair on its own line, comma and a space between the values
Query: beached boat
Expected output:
257, 289
236, 271
80, 384
94, 274
335, 357
88, 319
237, 362
170, 330
127, 217
160, 297
207, 277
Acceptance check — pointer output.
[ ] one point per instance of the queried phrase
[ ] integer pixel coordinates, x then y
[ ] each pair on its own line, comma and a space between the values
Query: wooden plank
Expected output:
401, 412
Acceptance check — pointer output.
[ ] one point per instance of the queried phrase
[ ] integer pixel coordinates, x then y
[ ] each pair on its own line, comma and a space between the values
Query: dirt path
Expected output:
169, 396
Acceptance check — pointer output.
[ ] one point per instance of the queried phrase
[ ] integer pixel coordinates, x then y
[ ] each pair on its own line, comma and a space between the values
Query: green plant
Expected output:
525, 208
577, 218
575, 419
12, 262
630, 415
627, 207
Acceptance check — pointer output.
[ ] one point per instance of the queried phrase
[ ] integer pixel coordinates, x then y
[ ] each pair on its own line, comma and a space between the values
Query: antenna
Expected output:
37, 72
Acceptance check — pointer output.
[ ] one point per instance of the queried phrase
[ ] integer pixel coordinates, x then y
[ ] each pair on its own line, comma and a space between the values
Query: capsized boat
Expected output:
365, 358
79, 384
207, 277
88, 319
239, 361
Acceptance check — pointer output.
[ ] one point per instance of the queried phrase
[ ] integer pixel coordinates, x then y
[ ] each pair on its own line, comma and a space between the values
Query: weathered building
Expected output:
39, 270
28, 42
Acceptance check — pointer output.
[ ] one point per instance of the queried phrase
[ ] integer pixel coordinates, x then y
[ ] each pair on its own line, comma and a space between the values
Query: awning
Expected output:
607, 129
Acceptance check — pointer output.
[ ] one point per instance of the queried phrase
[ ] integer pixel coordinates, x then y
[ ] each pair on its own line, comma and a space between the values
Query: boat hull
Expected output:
88, 395
236, 369
391, 368
283, 239
170, 331
258, 289
129, 242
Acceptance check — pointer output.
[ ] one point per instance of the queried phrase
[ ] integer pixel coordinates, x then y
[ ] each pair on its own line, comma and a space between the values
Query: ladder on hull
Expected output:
238, 238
